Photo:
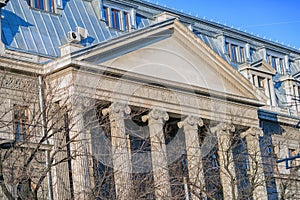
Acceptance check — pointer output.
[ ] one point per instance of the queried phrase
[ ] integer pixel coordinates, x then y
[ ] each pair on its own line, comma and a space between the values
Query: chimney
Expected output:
165, 16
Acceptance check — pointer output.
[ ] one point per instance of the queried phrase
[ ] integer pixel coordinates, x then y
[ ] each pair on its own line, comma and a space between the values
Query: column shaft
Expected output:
227, 169
194, 158
257, 179
159, 153
120, 154
78, 150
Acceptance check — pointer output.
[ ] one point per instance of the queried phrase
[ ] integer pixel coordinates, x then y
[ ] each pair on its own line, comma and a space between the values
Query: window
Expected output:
116, 19
236, 53
125, 21
276, 63
21, 114
105, 15
246, 162
214, 161
292, 152
261, 82
46, 5
274, 158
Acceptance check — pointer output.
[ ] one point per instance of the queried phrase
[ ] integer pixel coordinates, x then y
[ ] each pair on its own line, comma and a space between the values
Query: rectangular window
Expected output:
105, 15
45, 5
51, 6
233, 53
242, 53
214, 161
281, 66
261, 82
274, 158
115, 19
292, 152
276, 63
125, 21
236, 53
21, 117
273, 62
39, 4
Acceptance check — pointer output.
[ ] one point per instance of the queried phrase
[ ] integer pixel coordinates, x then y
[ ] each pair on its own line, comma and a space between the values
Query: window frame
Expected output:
277, 63
43, 5
236, 52
116, 18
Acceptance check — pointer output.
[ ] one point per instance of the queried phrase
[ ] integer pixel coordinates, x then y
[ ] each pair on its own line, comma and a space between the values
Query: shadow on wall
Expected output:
10, 26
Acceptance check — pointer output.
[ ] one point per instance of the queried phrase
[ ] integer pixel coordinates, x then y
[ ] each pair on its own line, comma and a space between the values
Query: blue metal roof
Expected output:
38, 32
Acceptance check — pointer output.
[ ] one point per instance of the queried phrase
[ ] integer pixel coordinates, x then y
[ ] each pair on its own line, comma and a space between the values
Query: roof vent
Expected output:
82, 32
73, 37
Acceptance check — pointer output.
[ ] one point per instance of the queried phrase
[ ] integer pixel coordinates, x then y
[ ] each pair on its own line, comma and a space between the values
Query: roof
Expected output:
38, 32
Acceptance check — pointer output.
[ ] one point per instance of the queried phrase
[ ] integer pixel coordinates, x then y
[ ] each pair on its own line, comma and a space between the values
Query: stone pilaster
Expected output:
193, 152
156, 120
120, 154
225, 154
257, 179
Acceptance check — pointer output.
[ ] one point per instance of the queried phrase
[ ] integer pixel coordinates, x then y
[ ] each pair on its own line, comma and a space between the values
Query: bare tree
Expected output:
35, 132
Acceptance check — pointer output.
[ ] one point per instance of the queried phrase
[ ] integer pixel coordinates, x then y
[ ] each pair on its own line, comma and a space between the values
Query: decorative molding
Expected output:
17, 83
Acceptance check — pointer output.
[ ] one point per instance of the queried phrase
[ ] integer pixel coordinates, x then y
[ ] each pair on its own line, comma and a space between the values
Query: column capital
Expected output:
117, 108
223, 127
253, 132
156, 114
191, 121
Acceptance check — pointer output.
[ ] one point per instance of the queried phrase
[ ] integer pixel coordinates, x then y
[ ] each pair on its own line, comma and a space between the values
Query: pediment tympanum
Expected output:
170, 52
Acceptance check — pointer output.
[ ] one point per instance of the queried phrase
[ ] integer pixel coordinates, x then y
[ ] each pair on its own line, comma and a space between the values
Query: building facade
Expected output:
105, 99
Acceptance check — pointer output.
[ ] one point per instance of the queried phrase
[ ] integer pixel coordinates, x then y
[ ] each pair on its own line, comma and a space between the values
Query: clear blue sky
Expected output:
278, 20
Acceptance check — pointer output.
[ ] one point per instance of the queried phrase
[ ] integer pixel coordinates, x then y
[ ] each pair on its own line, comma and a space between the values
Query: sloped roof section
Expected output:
38, 32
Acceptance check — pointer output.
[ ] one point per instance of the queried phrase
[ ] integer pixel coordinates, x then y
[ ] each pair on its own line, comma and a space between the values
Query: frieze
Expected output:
173, 100
18, 83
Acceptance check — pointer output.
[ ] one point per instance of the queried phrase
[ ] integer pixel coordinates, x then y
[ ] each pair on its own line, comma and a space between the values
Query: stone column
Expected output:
257, 177
156, 120
120, 155
227, 169
79, 166
193, 152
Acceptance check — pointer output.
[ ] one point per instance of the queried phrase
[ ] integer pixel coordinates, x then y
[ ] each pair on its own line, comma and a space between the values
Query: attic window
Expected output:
116, 19
236, 53
45, 5
277, 63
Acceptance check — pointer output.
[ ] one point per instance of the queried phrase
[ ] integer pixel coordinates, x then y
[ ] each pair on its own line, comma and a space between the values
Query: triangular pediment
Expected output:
260, 66
170, 52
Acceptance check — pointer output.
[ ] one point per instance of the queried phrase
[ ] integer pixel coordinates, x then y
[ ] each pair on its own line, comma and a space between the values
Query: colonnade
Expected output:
156, 119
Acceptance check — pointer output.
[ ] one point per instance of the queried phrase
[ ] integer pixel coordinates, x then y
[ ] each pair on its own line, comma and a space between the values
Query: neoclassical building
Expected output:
106, 99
